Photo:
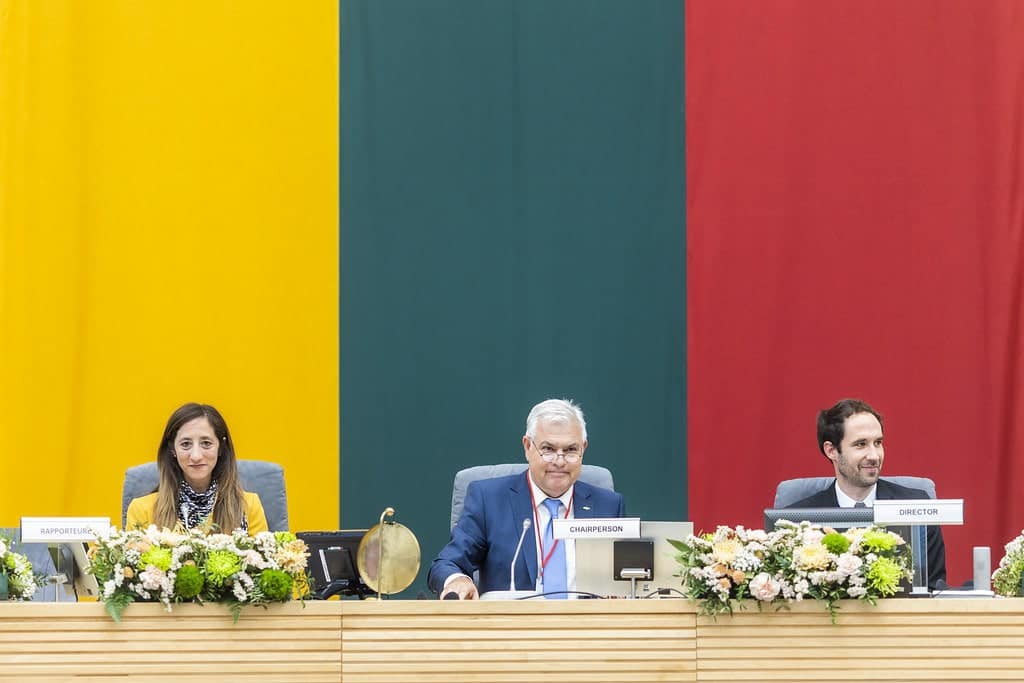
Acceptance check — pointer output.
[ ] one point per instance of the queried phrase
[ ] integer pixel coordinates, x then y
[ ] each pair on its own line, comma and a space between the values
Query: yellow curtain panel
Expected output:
168, 233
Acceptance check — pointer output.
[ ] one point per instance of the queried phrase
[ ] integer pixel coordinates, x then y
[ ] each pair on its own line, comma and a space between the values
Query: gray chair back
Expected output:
265, 479
794, 490
595, 475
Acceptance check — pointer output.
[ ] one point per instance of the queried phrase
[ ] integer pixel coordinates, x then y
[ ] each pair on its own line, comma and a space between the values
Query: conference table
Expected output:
572, 641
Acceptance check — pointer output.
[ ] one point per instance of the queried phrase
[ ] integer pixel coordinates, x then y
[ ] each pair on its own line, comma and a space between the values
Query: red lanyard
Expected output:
536, 525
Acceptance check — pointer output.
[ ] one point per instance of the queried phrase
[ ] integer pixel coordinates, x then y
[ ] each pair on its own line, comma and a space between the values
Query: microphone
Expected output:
512, 593
515, 555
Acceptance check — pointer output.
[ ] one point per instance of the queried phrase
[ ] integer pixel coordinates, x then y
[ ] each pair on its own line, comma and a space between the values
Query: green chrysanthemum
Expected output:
158, 557
275, 584
884, 576
221, 565
878, 541
836, 543
9, 561
284, 537
188, 582
17, 585
1008, 578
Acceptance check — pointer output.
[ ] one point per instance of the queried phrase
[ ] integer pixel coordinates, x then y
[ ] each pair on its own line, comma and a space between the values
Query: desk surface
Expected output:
570, 641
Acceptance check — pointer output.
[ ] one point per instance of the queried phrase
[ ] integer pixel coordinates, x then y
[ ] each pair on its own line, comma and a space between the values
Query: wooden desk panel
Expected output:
569, 641
59, 642
573, 641
899, 640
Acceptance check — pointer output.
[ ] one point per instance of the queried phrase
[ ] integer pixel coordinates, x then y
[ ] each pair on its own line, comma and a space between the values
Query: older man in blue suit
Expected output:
484, 539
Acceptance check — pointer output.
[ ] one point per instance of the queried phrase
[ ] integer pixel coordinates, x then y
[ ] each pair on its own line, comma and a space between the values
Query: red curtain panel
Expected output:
855, 209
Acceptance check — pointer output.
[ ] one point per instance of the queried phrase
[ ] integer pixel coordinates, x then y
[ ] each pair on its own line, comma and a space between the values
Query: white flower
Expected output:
254, 559
758, 535
153, 578
848, 564
239, 592
764, 588
812, 536
814, 556
108, 588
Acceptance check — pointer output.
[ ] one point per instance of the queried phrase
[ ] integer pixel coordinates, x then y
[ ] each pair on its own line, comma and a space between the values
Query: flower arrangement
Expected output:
789, 564
176, 566
16, 575
1006, 580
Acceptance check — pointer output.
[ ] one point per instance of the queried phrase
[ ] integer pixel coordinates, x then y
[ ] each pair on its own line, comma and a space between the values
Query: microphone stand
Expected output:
388, 512
512, 593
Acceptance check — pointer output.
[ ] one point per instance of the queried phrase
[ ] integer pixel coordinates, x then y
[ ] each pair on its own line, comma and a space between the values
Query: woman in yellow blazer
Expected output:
199, 484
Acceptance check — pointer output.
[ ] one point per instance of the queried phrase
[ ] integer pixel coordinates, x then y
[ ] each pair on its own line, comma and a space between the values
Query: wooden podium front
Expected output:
576, 641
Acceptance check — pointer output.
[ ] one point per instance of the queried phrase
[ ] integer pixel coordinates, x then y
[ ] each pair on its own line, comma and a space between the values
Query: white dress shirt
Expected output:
542, 519
846, 502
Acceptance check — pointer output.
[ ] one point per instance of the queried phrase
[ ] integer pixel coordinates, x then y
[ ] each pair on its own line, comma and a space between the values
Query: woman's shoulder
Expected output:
148, 500
140, 511
252, 502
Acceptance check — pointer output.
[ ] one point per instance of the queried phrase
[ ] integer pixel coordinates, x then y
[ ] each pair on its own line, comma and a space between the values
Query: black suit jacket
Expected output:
887, 490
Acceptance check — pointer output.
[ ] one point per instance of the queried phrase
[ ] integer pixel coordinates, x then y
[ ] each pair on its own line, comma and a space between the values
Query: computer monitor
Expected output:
837, 518
332, 562
595, 561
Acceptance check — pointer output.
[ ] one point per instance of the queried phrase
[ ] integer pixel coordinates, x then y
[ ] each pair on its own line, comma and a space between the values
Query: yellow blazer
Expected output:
140, 512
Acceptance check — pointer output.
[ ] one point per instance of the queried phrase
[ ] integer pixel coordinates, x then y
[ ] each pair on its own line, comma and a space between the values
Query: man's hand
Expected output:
462, 586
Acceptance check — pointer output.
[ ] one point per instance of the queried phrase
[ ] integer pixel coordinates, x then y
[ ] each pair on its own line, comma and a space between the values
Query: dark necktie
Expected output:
859, 504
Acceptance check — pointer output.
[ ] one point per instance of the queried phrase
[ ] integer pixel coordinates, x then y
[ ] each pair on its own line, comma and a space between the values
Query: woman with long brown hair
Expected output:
199, 483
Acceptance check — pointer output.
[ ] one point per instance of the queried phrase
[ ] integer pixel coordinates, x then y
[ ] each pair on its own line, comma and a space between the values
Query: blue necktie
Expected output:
554, 571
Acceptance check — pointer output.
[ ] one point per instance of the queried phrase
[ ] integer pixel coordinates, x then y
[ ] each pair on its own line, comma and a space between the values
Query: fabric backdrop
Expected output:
855, 185
168, 232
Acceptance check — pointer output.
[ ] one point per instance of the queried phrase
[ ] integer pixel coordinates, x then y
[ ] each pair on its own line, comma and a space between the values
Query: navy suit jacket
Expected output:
485, 537
887, 490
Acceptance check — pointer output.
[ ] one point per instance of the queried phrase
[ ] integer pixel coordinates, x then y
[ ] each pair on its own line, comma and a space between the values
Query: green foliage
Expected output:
275, 584
884, 576
793, 562
175, 566
1006, 580
188, 583
878, 541
284, 537
158, 557
116, 604
221, 565
836, 543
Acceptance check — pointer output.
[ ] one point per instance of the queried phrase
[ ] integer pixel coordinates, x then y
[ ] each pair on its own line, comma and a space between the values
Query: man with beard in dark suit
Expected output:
850, 435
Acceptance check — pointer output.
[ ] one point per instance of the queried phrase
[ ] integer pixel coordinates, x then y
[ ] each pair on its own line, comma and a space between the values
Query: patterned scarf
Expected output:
194, 507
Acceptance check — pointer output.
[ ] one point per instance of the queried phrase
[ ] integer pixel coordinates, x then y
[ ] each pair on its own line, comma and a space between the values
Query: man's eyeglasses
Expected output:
570, 454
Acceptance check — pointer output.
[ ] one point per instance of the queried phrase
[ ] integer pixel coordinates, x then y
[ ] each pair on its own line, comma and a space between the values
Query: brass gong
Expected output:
388, 557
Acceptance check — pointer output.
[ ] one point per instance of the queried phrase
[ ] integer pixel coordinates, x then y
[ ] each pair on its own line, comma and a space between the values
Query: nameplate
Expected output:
920, 512
612, 527
61, 529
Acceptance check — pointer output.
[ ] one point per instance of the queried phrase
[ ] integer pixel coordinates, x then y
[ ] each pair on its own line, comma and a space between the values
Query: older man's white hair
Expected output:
555, 411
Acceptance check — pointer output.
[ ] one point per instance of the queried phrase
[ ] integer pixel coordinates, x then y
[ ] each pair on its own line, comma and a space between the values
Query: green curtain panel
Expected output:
512, 229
